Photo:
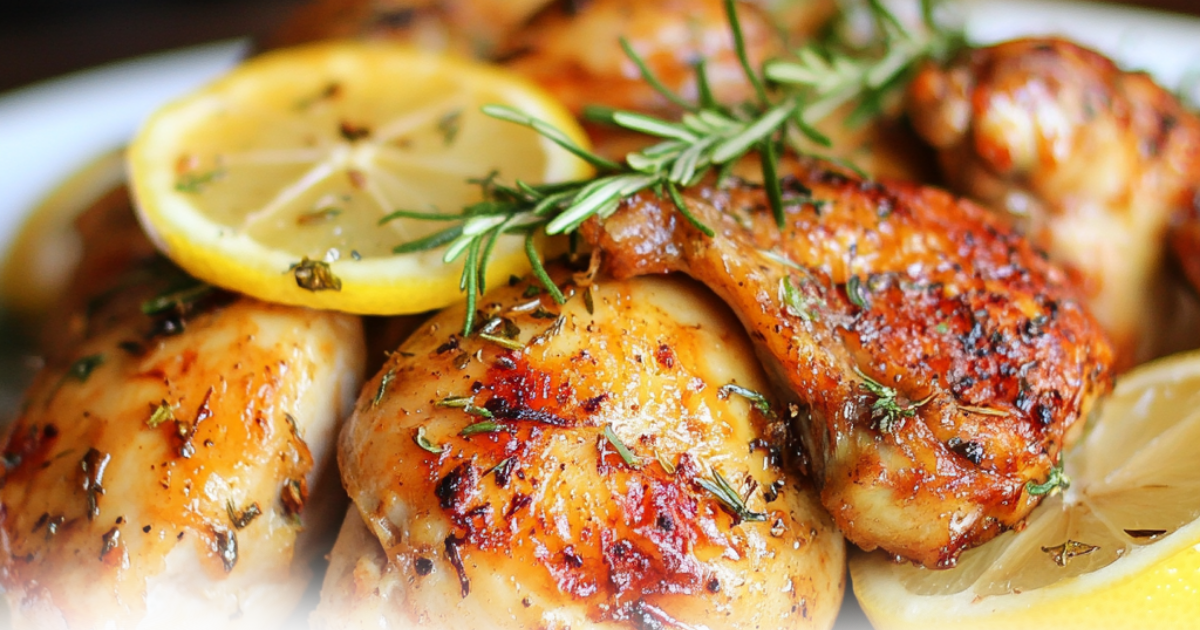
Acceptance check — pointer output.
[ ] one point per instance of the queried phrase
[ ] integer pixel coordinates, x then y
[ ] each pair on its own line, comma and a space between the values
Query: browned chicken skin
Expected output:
1094, 161
990, 357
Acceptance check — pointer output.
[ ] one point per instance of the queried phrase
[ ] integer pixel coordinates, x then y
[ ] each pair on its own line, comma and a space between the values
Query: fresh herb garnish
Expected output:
162, 413
384, 382
177, 297
791, 96
1055, 480
487, 426
423, 442
889, 406
466, 403
729, 498
191, 182
757, 400
627, 455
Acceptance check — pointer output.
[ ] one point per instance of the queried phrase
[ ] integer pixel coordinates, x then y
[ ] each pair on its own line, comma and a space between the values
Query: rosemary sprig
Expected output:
791, 97
729, 498
889, 406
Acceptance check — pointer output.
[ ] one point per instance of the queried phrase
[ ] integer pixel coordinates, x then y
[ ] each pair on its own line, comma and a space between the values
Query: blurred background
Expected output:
45, 38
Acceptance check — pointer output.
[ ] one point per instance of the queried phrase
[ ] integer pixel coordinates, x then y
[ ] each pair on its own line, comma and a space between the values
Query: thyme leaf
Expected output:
1056, 479
757, 400
889, 406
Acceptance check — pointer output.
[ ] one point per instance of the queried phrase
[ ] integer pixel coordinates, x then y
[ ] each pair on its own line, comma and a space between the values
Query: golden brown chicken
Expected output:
159, 472
1092, 161
936, 362
609, 463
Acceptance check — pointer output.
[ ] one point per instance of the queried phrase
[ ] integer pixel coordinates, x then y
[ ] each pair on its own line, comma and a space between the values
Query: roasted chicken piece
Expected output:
935, 363
1091, 161
613, 462
158, 472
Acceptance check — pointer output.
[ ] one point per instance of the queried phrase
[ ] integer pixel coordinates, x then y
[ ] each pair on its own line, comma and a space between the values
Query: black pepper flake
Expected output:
452, 544
242, 518
227, 548
293, 496
424, 566
146, 529
109, 541
713, 586
93, 464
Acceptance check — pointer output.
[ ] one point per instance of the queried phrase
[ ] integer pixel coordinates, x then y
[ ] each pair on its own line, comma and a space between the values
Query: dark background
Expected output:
44, 38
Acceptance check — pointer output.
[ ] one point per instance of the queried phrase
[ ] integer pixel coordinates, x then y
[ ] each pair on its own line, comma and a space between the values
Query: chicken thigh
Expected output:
935, 362
614, 462
158, 473
1092, 161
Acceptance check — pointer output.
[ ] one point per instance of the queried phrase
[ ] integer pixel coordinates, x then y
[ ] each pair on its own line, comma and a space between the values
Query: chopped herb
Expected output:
757, 400
191, 182
856, 292
729, 498
467, 404
551, 331
487, 426
174, 299
889, 406
1056, 480
631, 460
532, 290
942, 328
1064, 553
81, 369
162, 413
242, 518
587, 300
315, 275
384, 382
795, 303
449, 125
423, 442
511, 344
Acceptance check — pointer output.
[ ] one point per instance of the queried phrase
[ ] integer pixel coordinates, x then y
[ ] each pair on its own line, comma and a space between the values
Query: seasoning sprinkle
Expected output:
163, 413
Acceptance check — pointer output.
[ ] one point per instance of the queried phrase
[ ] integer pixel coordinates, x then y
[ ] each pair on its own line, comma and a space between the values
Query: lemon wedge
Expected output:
272, 181
1119, 548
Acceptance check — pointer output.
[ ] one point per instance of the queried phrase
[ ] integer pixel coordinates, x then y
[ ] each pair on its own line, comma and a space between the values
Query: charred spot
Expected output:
449, 346
774, 456
351, 132
665, 523
503, 471
771, 492
457, 487
572, 559
504, 362
132, 348
423, 566
970, 450
713, 585
592, 405
519, 502
665, 356
502, 409
49, 432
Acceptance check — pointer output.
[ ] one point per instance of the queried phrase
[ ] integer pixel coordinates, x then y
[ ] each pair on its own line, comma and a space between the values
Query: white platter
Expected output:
51, 129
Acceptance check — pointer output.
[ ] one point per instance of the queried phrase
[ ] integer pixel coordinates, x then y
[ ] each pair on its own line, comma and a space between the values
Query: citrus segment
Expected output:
273, 180
1119, 548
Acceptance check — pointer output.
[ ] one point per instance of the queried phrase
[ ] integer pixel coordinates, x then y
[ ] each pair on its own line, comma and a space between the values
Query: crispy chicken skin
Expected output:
538, 521
990, 357
1093, 161
158, 473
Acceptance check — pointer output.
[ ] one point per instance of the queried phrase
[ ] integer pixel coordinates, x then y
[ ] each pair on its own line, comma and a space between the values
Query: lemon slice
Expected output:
1120, 548
272, 180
